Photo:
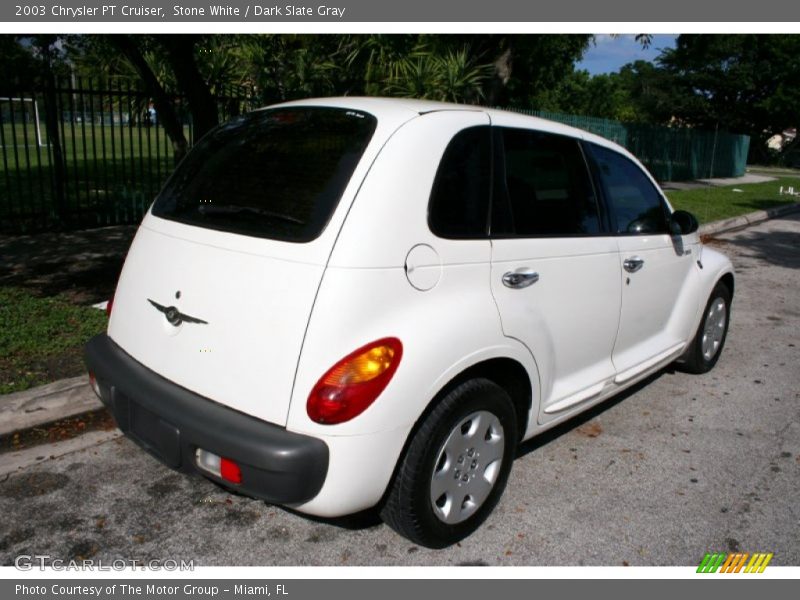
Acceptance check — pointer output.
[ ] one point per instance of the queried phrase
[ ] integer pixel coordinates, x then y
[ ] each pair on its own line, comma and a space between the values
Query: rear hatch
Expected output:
219, 283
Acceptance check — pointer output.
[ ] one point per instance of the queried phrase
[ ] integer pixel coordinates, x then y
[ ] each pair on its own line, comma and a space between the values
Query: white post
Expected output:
38, 129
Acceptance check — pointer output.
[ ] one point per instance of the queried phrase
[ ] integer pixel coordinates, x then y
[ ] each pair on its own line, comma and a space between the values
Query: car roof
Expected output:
380, 106
383, 107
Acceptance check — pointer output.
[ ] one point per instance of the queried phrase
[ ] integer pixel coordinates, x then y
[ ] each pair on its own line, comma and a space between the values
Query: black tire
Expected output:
408, 508
693, 360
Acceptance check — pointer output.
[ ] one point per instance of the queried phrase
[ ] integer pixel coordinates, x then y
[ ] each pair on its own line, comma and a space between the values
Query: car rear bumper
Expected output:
171, 423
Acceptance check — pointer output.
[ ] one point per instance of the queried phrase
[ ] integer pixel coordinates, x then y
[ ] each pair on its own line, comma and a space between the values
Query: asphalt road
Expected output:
679, 466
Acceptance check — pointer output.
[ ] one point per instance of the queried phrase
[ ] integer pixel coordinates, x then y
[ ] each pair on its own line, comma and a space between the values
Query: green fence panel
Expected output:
670, 153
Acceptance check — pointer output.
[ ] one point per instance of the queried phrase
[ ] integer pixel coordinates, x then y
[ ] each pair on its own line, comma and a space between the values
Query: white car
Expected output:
343, 303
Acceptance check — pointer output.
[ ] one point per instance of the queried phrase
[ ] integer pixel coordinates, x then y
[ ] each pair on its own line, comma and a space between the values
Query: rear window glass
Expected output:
275, 174
459, 204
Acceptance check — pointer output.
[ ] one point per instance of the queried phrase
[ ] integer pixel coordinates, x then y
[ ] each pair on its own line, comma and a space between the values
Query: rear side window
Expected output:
547, 185
459, 204
635, 202
275, 174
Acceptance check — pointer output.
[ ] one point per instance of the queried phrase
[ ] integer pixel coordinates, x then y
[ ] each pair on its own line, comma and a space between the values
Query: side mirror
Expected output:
683, 223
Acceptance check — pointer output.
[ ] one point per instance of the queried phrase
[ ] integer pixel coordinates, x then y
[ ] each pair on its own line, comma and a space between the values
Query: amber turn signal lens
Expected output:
364, 367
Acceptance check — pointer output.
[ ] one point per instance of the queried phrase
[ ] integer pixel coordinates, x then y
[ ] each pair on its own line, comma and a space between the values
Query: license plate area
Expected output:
154, 434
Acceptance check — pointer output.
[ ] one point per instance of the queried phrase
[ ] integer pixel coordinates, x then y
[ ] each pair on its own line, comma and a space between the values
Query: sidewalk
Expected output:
47, 403
716, 182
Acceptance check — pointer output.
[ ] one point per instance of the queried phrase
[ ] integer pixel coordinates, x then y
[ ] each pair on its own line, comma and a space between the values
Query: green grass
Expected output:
82, 143
714, 203
41, 339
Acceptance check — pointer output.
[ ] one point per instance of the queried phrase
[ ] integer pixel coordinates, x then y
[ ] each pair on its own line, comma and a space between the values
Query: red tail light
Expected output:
230, 471
352, 384
109, 305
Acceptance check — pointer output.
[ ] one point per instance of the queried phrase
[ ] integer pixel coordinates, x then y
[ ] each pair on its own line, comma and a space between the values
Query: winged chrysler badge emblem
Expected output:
174, 316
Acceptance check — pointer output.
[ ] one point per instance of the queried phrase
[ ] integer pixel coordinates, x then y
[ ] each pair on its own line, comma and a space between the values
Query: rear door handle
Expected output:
633, 264
521, 278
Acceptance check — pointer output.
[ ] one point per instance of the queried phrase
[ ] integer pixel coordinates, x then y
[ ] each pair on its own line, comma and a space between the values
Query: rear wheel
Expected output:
455, 467
706, 347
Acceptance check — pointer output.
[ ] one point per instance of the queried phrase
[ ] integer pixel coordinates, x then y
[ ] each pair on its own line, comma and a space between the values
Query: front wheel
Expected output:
456, 466
704, 350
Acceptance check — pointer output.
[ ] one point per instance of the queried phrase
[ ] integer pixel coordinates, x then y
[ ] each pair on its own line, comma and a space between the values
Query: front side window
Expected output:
275, 174
547, 186
636, 204
459, 203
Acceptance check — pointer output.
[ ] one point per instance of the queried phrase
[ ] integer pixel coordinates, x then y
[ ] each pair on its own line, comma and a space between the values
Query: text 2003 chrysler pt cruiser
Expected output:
341, 303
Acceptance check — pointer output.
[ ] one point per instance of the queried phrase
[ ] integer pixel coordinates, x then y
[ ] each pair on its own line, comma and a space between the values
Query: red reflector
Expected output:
109, 306
230, 471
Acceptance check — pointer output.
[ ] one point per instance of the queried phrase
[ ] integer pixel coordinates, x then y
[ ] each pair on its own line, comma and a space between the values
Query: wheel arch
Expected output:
728, 280
715, 268
508, 373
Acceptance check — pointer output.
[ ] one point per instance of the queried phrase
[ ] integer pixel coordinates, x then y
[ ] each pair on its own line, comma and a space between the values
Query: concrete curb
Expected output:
15, 460
47, 403
743, 221
74, 396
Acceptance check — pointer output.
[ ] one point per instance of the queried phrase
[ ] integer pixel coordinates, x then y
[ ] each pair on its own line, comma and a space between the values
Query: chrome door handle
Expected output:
633, 264
521, 278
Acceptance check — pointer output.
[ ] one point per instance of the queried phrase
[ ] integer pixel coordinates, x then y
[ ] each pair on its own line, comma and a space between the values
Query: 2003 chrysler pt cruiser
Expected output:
341, 303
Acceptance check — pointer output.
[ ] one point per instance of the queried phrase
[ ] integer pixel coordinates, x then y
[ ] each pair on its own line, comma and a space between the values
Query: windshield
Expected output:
275, 174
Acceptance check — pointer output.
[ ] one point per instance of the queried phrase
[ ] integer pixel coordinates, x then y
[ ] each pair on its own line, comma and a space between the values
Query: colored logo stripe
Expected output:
733, 563
758, 563
711, 562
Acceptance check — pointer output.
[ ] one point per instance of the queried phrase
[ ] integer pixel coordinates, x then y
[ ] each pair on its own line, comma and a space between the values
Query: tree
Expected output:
539, 63
180, 52
167, 116
287, 67
19, 67
742, 83
649, 94
526, 66
417, 67
498, 70
583, 94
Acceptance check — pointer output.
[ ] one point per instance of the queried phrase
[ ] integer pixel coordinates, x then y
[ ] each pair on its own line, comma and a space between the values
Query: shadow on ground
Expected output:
775, 247
83, 265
